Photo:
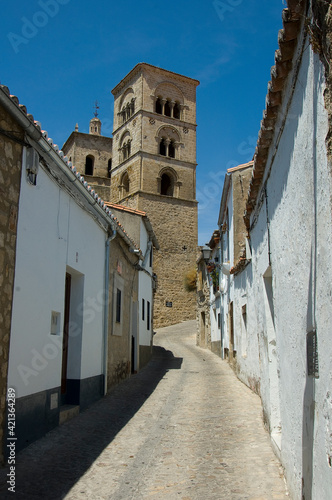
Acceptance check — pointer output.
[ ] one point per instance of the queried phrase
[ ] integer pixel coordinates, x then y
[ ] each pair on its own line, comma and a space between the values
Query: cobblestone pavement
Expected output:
183, 428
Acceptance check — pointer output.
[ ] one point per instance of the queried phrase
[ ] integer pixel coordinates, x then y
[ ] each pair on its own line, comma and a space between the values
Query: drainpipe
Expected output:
147, 253
106, 300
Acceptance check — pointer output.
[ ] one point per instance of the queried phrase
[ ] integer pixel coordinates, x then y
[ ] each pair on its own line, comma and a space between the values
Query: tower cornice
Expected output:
141, 66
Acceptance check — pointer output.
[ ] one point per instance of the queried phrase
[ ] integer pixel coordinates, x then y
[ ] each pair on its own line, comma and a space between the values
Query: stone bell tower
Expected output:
154, 170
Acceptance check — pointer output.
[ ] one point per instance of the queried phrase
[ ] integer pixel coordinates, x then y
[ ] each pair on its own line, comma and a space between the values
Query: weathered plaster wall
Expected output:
240, 186
10, 179
125, 277
300, 256
245, 326
203, 337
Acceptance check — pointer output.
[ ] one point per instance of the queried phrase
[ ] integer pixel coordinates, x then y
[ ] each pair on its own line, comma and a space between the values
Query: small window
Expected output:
159, 108
167, 108
89, 161
125, 182
143, 309
162, 147
166, 187
118, 305
109, 167
148, 315
171, 150
176, 111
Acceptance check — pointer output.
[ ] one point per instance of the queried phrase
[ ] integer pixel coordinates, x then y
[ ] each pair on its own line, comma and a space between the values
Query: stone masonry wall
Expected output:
119, 346
173, 218
175, 224
10, 178
80, 145
240, 180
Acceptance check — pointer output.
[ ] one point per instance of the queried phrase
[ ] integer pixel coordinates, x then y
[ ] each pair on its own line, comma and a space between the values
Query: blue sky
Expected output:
59, 56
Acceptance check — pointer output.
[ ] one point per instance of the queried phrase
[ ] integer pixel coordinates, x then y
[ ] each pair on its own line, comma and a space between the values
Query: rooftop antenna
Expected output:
96, 106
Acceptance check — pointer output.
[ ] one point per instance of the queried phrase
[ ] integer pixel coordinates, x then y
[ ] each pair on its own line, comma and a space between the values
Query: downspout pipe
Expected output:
106, 308
147, 253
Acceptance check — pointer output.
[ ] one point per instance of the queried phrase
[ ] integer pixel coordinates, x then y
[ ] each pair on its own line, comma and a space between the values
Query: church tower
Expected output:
92, 156
154, 170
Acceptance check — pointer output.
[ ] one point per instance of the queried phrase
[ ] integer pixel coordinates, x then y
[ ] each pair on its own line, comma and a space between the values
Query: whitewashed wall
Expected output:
298, 201
145, 290
54, 233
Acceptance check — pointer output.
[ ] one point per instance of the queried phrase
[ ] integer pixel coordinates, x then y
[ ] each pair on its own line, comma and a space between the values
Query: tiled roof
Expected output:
287, 40
125, 209
68, 164
240, 167
133, 211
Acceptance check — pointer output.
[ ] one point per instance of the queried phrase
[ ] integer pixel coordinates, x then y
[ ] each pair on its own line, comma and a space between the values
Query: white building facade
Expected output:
62, 316
279, 301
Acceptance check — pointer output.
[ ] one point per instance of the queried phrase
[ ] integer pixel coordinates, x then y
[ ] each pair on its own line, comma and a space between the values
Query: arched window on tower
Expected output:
166, 185
89, 162
125, 149
162, 147
125, 184
109, 167
167, 108
159, 108
176, 110
171, 149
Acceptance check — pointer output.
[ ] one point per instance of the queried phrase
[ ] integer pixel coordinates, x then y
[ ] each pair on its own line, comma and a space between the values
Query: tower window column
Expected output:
167, 145
163, 102
125, 150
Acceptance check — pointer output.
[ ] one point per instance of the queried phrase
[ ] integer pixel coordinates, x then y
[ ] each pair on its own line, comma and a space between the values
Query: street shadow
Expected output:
308, 413
50, 467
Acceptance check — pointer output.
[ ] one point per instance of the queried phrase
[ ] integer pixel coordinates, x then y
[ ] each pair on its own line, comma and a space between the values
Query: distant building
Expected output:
153, 169
92, 155
140, 228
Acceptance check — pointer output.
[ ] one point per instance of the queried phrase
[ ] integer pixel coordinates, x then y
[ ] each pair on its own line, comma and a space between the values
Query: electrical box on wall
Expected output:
32, 165
55, 323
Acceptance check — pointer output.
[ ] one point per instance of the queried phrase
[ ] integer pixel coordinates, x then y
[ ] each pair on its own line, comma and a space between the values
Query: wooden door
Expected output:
65, 334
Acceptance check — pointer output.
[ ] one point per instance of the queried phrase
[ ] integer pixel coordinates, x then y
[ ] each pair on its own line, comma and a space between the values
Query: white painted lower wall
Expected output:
55, 236
145, 293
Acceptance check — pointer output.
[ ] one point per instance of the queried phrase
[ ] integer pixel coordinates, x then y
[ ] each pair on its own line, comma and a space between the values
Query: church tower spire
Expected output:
95, 123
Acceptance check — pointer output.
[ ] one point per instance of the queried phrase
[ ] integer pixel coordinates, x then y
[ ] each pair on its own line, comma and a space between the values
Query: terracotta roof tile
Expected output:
240, 167
123, 208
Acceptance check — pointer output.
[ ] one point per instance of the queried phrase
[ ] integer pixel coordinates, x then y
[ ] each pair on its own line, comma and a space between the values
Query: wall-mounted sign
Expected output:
169, 304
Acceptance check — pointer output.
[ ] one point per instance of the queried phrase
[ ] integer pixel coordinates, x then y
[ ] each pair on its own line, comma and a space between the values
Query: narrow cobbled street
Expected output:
183, 428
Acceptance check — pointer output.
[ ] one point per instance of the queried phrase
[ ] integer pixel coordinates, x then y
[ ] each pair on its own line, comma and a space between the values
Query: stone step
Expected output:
67, 412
